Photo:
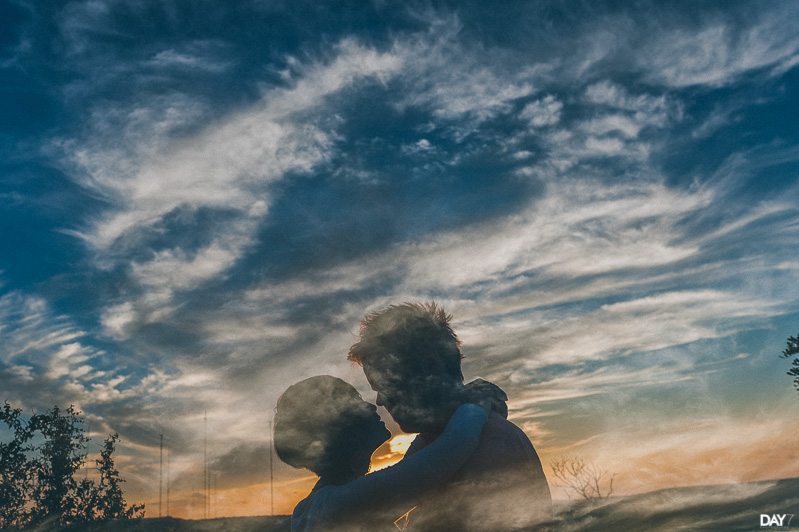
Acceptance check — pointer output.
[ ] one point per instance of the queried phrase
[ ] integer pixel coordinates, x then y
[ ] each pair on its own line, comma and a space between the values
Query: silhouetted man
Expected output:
412, 359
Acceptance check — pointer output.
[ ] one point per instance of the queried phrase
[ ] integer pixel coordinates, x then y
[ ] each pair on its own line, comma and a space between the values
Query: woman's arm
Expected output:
429, 468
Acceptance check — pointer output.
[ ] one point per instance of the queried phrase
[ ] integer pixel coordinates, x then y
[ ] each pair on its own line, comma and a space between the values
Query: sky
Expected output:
200, 200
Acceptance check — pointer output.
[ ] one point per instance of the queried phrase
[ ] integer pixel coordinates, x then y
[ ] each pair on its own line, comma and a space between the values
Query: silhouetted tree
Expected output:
583, 478
87, 498
792, 349
15, 469
38, 467
110, 500
60, 456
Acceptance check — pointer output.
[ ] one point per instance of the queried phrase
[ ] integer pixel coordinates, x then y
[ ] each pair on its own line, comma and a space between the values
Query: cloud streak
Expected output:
228, 166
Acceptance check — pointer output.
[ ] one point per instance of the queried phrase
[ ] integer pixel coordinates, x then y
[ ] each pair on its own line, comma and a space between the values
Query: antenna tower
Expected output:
206, 500
160, 473
167, 480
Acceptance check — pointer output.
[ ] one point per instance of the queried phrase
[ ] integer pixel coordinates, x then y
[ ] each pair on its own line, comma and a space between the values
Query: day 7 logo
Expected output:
782, 520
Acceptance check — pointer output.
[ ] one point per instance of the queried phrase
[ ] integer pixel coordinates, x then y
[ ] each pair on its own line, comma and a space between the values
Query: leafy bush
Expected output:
38, 468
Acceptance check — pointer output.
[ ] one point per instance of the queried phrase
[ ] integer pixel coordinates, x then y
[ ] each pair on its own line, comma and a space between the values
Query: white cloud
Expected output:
480, 93
47, 348
718, 119
579, 228
28, 328
612, 95
24, 374
62, 362
195, 56
228, 161
618, 120
117, 318
718, 53
461, 87
621, 124
228, 165
543, 112
603, 146
650, 323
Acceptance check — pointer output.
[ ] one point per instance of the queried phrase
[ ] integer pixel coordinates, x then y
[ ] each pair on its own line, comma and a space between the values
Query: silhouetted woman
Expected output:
324, 425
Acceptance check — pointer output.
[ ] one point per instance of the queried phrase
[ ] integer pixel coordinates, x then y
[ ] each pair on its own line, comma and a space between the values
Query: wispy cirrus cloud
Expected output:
209, 56
228, 166
43, 346
543, 112
720, 51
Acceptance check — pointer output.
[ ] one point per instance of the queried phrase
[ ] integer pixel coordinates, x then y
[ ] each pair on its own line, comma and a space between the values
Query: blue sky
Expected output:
199, 201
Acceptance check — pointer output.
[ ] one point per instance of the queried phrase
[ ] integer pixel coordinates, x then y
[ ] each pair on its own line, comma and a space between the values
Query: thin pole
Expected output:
167, 481
206, 502
160, 474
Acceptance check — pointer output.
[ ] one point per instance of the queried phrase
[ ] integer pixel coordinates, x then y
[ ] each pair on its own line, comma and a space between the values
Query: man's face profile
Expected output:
416, 402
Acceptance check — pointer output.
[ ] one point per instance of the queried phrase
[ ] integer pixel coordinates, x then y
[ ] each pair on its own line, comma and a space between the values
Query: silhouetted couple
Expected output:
468, 469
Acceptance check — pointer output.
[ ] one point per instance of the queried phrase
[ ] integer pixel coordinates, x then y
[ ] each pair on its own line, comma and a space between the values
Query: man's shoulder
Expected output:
503, 446
499, 430
501, 486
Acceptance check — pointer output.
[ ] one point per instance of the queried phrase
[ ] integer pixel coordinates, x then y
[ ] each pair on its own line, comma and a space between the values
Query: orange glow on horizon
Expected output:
639, 466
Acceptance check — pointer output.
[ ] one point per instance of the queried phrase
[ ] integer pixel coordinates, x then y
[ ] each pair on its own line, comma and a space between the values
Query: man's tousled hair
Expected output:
411, 332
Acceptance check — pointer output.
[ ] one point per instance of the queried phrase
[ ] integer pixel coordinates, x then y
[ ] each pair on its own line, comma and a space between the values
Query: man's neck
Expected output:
442, 415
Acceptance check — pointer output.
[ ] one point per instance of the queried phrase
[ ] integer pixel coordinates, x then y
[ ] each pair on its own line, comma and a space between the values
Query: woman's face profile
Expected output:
366, 433
323, 424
